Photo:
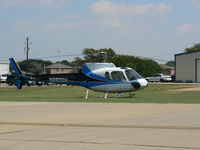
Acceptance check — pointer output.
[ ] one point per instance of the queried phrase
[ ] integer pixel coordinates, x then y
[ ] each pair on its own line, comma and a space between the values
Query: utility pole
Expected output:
27, 47
59, 50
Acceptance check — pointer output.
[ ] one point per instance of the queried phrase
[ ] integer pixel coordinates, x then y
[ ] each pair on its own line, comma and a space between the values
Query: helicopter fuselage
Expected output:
101, 77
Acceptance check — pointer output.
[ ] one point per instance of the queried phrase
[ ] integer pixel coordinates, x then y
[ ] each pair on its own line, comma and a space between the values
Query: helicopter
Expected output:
100, 77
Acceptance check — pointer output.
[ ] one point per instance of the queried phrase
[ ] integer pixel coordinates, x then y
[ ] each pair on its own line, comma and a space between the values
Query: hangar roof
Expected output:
187, 53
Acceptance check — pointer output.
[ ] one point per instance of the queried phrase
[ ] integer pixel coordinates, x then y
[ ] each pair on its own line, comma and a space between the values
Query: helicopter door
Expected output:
118, 75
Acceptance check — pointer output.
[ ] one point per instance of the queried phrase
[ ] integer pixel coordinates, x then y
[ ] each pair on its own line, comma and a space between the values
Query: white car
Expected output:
3, 78
159, 77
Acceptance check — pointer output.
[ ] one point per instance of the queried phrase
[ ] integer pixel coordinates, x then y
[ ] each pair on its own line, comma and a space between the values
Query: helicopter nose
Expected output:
136, 85
143, 83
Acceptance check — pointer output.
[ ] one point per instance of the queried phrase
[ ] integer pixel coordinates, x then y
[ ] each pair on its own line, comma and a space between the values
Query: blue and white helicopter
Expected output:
101, 77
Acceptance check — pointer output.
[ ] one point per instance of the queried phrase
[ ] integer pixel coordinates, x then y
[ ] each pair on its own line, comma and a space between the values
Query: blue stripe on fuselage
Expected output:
90, 84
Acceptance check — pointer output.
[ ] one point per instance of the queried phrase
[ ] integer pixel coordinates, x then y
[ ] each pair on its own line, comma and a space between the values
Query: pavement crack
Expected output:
15, 131
101, 125
164, 146
99, 143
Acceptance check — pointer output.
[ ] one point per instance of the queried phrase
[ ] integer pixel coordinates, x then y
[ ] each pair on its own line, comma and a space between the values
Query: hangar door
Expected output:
198, 70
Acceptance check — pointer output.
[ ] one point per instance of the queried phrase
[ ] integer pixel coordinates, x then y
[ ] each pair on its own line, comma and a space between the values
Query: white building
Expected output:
4, 68
187, 67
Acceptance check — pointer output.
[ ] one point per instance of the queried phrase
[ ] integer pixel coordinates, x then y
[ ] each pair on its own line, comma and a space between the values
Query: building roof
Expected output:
58, 66
164, 66
187, 53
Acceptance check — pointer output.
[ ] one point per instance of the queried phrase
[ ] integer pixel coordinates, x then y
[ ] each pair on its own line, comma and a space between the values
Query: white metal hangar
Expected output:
187, 67
4, 68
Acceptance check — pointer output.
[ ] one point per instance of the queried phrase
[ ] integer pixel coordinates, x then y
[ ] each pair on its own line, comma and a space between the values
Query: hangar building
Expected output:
4, 68
187, 67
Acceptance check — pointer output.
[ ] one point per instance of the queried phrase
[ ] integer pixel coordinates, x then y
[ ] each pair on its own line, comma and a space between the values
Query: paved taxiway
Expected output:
97, 126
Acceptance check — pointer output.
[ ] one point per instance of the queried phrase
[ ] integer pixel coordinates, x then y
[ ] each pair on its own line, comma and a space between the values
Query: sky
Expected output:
148, 28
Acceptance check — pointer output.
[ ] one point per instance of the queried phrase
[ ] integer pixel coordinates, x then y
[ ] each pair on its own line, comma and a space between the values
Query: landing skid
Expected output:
105, 95
121, 95
131, 95
87, 93
117, 95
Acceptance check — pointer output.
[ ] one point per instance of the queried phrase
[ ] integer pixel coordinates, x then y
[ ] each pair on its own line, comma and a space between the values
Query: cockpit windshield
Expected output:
132, 74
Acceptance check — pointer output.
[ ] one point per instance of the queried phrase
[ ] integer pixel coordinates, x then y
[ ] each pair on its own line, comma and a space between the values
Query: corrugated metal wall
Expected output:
4, 68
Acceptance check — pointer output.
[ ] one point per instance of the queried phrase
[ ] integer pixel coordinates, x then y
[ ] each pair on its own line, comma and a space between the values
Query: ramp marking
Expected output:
100, 125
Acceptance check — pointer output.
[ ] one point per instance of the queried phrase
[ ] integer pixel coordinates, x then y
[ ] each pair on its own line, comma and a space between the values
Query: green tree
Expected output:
145, 67
78, 62
65, 62
170, 63
33, 66
195, 47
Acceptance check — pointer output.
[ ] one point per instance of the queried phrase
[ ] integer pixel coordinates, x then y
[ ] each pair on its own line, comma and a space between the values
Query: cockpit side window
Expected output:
132, 74
107, 76
118, 75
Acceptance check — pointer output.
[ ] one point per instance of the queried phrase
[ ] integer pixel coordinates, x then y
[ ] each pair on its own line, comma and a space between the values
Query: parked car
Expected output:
159, 77
11, 80
3, 78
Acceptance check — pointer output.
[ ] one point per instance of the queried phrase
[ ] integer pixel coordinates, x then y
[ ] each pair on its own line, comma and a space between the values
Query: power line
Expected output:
10, 44
73, 55
152, 58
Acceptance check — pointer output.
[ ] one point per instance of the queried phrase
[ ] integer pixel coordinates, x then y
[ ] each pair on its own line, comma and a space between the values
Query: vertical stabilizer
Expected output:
19, 76
15, 67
